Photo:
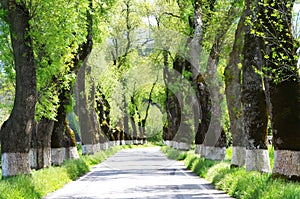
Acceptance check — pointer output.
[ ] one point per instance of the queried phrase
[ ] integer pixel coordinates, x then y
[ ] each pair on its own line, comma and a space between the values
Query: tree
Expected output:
56, 58
253, 98
202, 93
142, 120
210, 36
16, 131
283, 83
103, 112
233, 91
85, 113
40, 153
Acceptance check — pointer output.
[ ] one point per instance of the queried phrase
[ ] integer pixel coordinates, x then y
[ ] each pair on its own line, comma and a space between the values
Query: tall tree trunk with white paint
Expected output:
254, 100
17, 130
233, 97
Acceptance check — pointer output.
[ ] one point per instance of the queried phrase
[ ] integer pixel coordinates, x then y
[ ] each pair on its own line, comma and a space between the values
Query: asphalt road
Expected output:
138, 173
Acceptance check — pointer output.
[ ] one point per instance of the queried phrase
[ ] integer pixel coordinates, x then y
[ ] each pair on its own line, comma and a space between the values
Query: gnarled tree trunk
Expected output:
16, 131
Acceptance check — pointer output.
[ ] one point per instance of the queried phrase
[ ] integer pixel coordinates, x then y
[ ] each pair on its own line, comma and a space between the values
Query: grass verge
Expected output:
44, 181
237, 182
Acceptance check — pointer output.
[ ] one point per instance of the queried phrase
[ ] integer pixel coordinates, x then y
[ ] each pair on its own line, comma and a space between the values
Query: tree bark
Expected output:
103, 112
134, 130
87, 117
57, 151
204, 102
202, 94
17, 130
88, 136
174, 98
40, 153
214, 144
233, 91
167, 135
254, 101
126, 120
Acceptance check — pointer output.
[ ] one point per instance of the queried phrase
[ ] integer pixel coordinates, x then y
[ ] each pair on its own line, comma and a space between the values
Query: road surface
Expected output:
138, 173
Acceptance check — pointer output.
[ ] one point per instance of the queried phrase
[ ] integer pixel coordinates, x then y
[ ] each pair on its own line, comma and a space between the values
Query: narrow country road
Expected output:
138, 173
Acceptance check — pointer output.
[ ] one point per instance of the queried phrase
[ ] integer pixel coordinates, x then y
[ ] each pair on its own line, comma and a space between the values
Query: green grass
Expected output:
237, 182
41, 182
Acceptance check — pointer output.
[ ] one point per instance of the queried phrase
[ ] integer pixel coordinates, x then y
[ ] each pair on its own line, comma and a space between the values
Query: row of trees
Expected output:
262, 82
173, 61
47, 44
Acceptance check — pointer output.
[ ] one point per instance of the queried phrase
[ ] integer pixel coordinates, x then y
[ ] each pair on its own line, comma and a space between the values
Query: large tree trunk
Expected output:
210, 144
233, 97
69, 143
204, 101
167, 136
95, 125
202, 94
40, 152
16, 131
88, 136
63, 142
254, 102
284, 87
214, 145
103, 112
134, 130
57, 151
87, 118
174, 99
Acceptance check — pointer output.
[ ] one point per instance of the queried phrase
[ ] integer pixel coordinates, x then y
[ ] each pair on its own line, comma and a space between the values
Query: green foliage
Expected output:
7, 72
200, 166
58, 28
242, 184
271, 23
49, 180
173, 153
76, 168
6, 56
19, 187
